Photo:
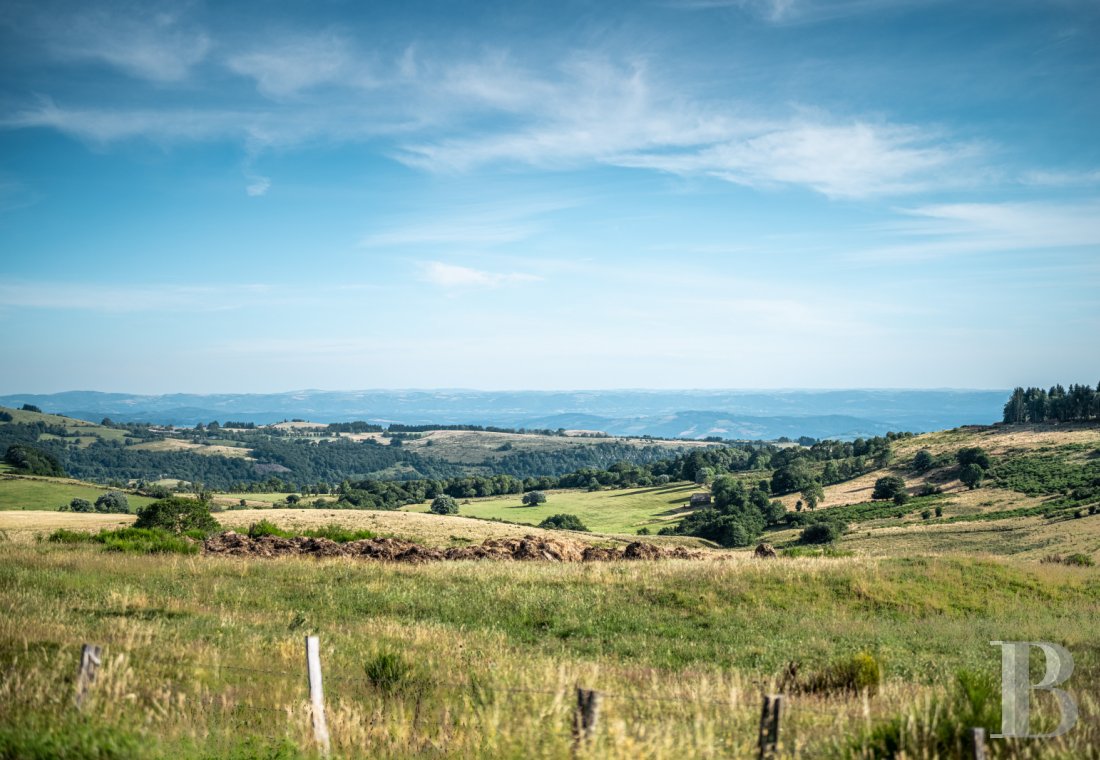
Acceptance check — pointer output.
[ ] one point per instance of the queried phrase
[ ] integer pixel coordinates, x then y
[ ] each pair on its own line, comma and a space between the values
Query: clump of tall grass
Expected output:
337, 533
942, 730
852, 675
129, 540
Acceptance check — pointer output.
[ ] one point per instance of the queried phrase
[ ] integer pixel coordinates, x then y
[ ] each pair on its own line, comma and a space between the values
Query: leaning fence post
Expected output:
769, 725
316, 694
585, 717
89, 662
977, 743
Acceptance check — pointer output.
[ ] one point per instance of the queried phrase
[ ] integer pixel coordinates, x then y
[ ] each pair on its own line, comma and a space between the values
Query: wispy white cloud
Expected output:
287, 66
258, 186
943, 230
853, 160
1061, 178
145, 42
454, 276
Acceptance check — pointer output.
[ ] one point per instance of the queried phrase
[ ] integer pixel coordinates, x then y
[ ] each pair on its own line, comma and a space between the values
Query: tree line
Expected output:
1079, 403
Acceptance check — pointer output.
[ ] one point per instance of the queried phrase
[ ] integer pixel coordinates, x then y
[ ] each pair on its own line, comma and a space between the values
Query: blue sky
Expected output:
689, 193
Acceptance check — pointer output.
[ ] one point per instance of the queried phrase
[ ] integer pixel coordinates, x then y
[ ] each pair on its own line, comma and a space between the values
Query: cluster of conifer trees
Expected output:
1080, 402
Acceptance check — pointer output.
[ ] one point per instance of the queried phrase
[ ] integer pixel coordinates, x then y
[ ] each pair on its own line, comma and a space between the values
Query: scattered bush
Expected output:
972, 475
926, 514
973, 455
643, 531
923, 461
939, 511
901, 498
177, 515
563, 522
444, 505
821, 533
928, 489
534, 498
1073, 560
80, 505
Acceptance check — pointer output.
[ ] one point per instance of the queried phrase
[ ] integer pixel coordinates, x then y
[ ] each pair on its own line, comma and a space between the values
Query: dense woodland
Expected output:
1079, 403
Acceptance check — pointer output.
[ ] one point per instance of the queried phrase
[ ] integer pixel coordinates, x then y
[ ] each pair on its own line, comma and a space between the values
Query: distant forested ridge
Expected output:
1079, 403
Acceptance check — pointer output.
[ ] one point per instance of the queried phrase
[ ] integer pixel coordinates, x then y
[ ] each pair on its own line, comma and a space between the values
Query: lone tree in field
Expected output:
178, 515
812, 495
444, 505
972, 476
888, 487
534, 498
973, 455
79, 505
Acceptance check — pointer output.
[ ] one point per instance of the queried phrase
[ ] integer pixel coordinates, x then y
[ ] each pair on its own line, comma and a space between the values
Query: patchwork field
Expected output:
21, 492
618, 511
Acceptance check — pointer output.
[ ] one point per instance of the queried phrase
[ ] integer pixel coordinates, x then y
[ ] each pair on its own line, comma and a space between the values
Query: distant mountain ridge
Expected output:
675, 414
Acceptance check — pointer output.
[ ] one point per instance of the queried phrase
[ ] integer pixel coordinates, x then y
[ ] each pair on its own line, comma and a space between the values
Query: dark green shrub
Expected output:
972, 475
267, 528
888, 487
939, 511
923, 461
643, 531
821, 533
973, 455
113, 502
929, 490
444, 505
563, 522
926, 514
901, 498
80, 505
177, 515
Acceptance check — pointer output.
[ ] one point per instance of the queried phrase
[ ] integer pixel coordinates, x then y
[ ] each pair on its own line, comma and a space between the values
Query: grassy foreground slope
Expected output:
203, 655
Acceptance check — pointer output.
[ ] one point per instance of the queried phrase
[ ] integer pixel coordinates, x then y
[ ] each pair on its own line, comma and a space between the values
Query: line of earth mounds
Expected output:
528, 548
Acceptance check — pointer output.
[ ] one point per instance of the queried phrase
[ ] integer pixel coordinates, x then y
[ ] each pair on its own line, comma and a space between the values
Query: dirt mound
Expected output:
528, 548
764, 551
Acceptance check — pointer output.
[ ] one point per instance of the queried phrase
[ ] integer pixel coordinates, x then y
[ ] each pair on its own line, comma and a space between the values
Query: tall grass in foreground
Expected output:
204, 656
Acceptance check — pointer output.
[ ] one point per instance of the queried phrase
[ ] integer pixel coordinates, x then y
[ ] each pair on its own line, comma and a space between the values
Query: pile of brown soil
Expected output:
528, 548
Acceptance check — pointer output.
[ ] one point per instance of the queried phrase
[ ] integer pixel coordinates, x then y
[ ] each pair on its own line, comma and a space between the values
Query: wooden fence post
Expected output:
89, 662
585, 717
977, 743
769, 725
316, 694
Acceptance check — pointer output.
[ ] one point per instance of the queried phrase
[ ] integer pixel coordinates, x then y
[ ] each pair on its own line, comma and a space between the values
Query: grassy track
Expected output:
492, 650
